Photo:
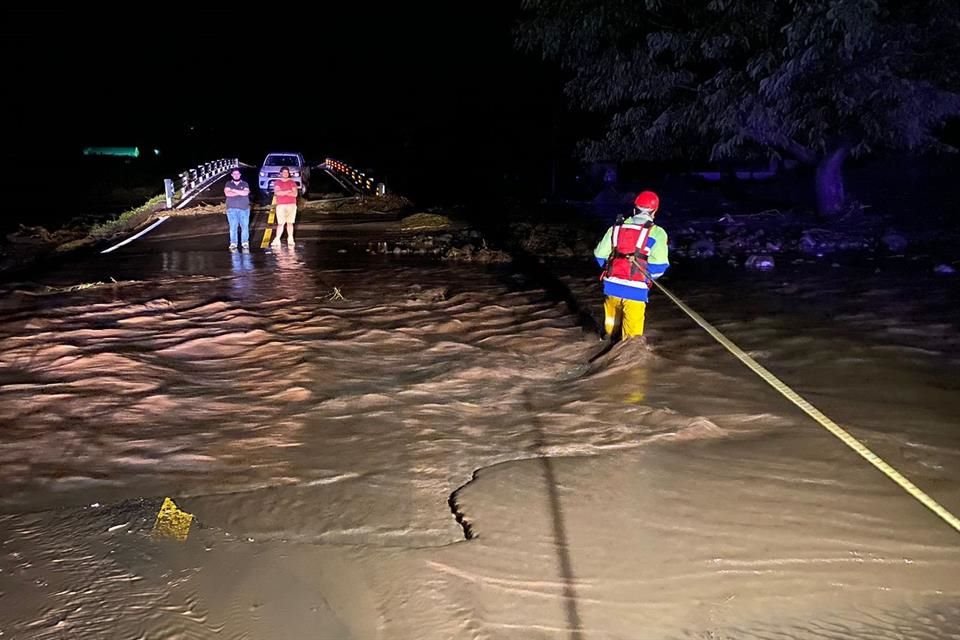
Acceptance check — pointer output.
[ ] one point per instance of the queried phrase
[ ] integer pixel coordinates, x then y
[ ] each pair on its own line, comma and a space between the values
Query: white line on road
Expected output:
156, 224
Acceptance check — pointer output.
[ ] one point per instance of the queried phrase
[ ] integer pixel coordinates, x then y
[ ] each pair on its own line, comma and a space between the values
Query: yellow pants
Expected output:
629, 314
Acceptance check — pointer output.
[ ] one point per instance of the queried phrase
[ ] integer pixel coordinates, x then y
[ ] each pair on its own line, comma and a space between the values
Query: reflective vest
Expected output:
628, 262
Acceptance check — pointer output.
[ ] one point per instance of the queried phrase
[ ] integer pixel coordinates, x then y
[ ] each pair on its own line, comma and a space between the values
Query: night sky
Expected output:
432, 97
406, 90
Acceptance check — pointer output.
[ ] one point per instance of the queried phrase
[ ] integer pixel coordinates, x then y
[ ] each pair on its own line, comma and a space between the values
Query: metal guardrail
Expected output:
360, 180
192, 181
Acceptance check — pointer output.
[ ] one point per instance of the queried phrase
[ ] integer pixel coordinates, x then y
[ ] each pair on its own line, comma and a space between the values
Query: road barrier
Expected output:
193, 181
357, 179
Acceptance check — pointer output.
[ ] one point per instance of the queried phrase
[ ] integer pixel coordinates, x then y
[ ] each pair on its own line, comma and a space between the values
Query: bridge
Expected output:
188, 232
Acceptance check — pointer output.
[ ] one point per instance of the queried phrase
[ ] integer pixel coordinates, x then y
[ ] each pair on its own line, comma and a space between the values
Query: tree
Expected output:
818, 80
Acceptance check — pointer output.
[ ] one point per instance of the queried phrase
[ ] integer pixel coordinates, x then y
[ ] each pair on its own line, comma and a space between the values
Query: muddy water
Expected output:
325, 444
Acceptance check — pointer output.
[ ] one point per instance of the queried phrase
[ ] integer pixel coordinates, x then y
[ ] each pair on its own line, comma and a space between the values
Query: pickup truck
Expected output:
270, 170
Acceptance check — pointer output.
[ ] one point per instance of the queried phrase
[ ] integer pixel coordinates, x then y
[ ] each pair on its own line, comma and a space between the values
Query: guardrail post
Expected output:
168, 191
191, 179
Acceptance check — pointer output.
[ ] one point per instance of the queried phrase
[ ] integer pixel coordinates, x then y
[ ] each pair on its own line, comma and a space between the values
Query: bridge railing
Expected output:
192, 181
360, 180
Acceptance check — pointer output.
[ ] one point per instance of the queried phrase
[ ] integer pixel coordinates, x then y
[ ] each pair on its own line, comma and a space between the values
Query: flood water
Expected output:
327, 448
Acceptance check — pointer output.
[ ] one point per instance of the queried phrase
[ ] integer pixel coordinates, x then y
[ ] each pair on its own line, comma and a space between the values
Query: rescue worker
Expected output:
633, 253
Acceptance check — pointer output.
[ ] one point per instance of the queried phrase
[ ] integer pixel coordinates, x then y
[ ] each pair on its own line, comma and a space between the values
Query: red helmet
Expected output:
647, 202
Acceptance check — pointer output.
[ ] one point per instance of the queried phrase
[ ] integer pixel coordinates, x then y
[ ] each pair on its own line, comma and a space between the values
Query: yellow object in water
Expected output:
172, 522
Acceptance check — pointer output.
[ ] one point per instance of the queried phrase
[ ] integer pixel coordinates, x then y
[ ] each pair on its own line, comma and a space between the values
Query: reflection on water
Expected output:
636, 381
695, 503
287, 257
242, 263
190, 262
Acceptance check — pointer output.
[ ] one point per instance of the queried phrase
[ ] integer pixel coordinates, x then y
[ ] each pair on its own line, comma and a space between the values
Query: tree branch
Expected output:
800, 152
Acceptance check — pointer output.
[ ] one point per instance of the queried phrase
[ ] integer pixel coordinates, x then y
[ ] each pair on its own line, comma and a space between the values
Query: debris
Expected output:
425, 221
703, 248
172, 522
333, 295
760, 262
894, 242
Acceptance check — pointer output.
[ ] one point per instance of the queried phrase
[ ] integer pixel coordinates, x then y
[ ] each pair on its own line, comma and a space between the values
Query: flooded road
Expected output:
337, 453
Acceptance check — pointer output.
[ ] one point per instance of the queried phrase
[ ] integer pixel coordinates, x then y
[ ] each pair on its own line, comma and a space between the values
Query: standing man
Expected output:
285, 191
632, 253
238, 209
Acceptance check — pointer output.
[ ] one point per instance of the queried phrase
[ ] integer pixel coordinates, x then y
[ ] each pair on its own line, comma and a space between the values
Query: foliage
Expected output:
728, 78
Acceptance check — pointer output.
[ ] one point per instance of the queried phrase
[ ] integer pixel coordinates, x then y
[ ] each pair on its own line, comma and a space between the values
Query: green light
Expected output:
120, 152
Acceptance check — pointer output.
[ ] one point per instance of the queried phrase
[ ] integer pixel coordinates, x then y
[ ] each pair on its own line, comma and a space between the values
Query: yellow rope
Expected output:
815, 413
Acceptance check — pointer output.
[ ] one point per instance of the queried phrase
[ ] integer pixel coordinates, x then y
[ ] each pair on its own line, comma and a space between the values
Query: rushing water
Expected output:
327, 448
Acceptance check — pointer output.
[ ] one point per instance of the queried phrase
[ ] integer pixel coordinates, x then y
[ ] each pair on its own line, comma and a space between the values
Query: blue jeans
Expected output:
241, 218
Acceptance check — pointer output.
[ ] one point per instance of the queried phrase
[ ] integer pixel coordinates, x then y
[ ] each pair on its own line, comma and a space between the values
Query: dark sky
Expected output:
417, 83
